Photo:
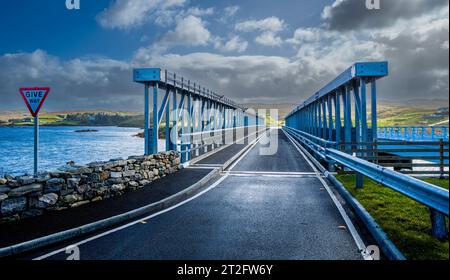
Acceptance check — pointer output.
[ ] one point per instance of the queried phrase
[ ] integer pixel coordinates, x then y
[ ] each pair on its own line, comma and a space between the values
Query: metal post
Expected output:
155, 129
174, 134
146, 119
167, 117
374, 108
438, 225
337, 112
441, 157
347, 119
36, 145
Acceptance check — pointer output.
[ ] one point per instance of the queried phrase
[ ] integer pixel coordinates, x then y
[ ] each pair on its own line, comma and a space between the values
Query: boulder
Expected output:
72, 183
56, 181
53, 189
72, 198
115, 174
13, 205
20, 191
3, 181
46, 200
78, 204
81, 189
13, 183
104, 175
83, 170
4, 189
93, 178
26, 180
118, 187
133, 184
3, 197
128, 173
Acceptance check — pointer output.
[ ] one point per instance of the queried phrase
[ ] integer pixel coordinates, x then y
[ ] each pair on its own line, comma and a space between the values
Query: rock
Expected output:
83, 170
3, 181
81, 189
115, 174
25, 190
13, 205
78, 204
3, 196
43, 178
118, 188
98, 198
67, 192
144, 182
133, 184
4, 189
13, 183
155, 172
26, 180
94, 178
72, 183
46, 200
10, 219
72, 198
56, 181
128, 173
32, 213
62, 174
53, 189
104, 175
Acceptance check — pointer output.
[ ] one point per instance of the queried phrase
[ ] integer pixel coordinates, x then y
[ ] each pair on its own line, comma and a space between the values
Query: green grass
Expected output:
406, 222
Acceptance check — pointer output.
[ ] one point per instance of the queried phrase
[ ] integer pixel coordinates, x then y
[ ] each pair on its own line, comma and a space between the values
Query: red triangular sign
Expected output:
34, 98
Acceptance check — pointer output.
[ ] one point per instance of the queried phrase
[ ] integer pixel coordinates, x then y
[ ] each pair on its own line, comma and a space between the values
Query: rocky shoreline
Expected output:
24, 197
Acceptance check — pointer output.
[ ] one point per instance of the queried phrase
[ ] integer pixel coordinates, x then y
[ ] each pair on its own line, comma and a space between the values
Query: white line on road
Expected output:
351, 227
215, 184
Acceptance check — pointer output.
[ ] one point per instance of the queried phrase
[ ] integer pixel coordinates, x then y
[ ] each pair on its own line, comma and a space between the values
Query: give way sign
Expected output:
34, 98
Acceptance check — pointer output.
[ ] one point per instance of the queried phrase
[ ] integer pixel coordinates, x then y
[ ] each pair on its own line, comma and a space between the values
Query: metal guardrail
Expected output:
413, 133
434, 197
407, 157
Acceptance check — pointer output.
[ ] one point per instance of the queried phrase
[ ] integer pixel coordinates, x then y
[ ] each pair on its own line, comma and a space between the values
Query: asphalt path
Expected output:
267, 207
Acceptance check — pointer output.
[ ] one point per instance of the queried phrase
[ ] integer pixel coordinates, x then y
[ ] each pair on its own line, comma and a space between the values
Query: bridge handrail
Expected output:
427, 194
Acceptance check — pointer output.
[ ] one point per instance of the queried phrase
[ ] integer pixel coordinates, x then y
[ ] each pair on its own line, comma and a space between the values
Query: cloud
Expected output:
353, 14
269, 39
231, 11
124, 14
269, 27
234, 44
270, 24
228, 13
190, 30
88, 83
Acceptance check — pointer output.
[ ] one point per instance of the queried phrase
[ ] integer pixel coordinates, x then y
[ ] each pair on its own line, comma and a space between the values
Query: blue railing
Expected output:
413, 133
434, 197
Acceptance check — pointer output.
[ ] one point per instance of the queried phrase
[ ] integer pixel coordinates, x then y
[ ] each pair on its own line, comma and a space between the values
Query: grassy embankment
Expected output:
406, 222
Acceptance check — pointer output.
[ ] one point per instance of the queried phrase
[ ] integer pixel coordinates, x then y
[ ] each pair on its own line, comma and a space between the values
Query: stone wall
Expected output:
24, 196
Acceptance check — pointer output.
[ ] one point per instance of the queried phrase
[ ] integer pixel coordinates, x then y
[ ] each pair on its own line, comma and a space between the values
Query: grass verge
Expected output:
406, 222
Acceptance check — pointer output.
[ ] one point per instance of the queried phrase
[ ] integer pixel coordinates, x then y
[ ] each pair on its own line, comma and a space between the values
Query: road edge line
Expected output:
109, 222
388, 247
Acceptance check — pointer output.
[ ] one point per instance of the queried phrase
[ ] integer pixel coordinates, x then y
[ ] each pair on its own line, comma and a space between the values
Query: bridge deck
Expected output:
254, 211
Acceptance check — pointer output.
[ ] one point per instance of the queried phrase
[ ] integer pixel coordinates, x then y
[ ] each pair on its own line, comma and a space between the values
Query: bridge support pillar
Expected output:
438, 225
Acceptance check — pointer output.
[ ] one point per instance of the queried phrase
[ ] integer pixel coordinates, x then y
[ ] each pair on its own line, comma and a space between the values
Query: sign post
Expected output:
34, 99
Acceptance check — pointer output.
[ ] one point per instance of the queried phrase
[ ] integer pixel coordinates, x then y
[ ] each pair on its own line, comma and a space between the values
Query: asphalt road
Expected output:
246, 216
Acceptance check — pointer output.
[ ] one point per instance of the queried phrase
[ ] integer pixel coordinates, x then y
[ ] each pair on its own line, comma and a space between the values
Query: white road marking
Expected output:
358, 240
215, 184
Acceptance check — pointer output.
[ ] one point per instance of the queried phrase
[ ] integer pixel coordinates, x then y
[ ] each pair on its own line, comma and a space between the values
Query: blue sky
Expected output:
74, 33
253, 51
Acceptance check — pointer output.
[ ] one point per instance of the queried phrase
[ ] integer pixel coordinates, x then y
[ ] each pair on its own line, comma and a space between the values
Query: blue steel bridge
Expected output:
255, 191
